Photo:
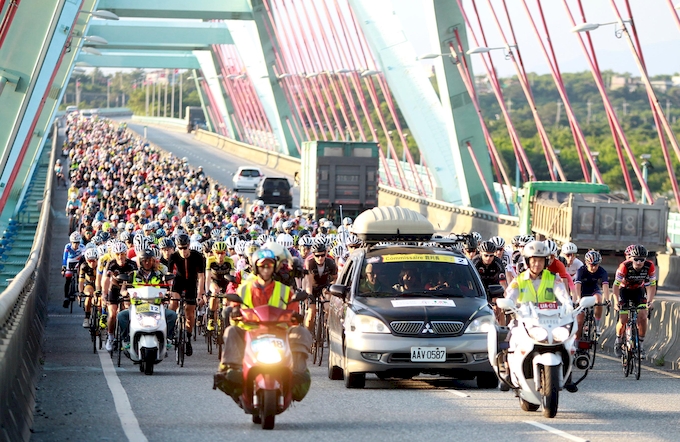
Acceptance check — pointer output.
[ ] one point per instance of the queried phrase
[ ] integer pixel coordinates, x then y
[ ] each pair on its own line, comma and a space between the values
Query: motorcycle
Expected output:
267, 362
147, 326
536, 361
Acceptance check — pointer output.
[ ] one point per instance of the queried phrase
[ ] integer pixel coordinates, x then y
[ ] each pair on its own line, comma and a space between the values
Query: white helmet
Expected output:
498, 241
477, 236
91, 254
119, 247
285, 240
536, 249
75, 237
298, 212
347, 221
552, 247
569, 248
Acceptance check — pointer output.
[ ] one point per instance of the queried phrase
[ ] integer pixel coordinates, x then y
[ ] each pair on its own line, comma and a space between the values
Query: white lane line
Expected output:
555, 431
655, 370
458, 393
120, 399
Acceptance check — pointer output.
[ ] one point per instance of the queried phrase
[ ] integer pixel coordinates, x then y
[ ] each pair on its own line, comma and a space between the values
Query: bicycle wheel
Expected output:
179, 337
209, 340
324, 335
627, 354
94, 328
219, 329
636, 354
589, 329
117, 342
317, 346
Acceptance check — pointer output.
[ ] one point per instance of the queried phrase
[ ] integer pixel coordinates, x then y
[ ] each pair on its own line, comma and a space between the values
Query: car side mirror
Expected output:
496, 290
505, 304
338, 290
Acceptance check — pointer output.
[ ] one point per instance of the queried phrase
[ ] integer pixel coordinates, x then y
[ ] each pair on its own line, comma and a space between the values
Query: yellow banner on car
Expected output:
420, 257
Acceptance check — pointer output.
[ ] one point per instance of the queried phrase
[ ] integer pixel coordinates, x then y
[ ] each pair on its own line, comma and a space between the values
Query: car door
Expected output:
337, 307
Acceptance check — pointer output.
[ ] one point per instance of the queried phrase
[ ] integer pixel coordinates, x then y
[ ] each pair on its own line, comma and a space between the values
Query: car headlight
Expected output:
148, 321
561, 334
367, 324
481, 325
538, 333
267, 351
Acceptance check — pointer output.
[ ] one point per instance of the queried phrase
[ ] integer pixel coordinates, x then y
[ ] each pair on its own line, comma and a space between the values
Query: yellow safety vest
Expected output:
527, 293
279, 298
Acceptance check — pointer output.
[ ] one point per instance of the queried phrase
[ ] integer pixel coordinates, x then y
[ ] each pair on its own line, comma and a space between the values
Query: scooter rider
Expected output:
257, 291
147, 274
538, 285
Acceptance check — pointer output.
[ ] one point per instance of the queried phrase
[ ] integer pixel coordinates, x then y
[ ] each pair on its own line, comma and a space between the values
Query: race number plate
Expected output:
428, 354
547, 305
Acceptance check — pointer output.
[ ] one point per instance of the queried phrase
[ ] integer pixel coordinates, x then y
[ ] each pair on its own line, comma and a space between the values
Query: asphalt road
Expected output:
217, 163
76, 401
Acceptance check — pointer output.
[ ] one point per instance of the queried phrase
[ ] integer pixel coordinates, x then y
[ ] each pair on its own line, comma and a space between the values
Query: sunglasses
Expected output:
220, 253
320, 255
568, 255
182, 248
471, 250
639, 259
266, 266
487, 255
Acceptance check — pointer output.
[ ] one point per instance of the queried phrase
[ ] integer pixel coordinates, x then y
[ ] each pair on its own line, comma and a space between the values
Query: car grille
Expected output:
447, 327
397, 358
407, 327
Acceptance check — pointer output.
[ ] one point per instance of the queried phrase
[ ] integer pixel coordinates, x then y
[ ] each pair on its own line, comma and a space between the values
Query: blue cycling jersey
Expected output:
591, 282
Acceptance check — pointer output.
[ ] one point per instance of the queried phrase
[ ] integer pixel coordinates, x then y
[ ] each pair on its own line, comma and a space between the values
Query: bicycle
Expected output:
631, 357
589, 336
215, 336
320, 332
93, 325
118, 336
180, 332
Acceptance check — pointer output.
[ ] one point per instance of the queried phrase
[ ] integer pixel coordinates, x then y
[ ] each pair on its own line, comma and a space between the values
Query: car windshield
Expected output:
250, 173
429, 275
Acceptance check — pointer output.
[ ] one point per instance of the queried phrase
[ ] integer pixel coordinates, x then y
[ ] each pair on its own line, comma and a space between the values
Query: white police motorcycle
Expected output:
147, 327
540, 352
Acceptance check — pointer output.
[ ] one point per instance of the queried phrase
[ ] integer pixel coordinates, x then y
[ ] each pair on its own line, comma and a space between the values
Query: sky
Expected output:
658, 32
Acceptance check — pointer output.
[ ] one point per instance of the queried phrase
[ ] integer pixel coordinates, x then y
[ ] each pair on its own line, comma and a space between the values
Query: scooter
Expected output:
147, 326
267, 362
540, 351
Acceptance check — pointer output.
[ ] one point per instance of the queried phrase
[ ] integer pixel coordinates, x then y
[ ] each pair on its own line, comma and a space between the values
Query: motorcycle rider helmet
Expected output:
593, 257
261, 257
569, 248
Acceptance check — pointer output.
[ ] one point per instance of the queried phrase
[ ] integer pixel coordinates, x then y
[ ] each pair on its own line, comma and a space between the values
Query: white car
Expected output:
247, 178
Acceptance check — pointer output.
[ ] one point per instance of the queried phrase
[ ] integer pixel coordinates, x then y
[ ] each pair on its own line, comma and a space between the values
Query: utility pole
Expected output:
160, 87
146, 87
625, 108
558, 114
668, 107
153, 100
180, 96
172, 95
108, 93
590, 114
77, 92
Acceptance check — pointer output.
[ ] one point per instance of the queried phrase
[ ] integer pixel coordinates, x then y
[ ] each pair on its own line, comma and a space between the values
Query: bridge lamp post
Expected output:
646, 166
507, 50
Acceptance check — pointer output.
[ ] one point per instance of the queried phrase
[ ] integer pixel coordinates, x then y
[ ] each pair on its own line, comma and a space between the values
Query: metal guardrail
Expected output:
23, 310
161, 121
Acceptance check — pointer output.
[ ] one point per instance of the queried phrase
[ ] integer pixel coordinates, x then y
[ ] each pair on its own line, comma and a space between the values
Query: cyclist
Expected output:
321, 272
112, 287
505, 257
147, 274
470, 245
591, 280
492, 271
262, 290
635, 284
569, 251
189, 268
72, 254
556, 266
87, 276
219, 266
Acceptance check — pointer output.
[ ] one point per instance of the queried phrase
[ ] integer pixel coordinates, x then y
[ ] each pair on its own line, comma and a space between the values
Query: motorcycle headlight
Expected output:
538, 333
481, 324
148, 321
267, 351
561, 334
367, 324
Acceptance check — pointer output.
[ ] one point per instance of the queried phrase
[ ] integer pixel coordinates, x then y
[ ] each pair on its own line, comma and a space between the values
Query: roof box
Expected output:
392, 224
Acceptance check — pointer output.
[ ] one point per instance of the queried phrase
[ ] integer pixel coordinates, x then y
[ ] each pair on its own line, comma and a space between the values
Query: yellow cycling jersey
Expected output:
103, 262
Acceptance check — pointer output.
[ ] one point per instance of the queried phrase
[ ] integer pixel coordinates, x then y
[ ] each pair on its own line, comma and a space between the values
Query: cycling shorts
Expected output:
114, 296
596, 292
632, 297
222, 284
189, 288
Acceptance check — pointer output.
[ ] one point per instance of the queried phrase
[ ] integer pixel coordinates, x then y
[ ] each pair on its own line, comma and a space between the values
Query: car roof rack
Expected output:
393, 224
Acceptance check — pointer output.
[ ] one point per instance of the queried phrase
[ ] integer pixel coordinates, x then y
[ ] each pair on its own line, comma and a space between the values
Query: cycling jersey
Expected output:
72, 256
218, 271
103, 262
324, 277
629, 278
87, 274
493, 273
591, 283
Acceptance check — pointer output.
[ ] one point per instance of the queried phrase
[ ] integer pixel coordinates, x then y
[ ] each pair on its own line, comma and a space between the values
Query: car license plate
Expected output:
276, 193
428, 354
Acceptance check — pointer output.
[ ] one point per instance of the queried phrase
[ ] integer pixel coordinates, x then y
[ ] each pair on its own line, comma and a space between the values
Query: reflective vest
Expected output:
279, 297
527, 293
155, 278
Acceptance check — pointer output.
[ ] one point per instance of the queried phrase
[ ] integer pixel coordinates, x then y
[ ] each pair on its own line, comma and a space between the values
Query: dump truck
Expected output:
590, 217
338, 173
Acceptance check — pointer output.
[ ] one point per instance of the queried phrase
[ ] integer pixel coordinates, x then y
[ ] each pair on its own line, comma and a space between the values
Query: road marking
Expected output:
120, 399
555, 431
656, 370
458, 393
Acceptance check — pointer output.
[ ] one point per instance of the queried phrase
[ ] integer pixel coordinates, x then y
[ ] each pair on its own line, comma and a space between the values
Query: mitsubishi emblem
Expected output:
427, 329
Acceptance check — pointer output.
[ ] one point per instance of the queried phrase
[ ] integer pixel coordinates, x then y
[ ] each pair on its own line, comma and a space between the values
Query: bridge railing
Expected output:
171, 123
23, 310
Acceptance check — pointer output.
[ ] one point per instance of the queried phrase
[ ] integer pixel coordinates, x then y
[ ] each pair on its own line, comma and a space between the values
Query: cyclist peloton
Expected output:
635, 284
591, 280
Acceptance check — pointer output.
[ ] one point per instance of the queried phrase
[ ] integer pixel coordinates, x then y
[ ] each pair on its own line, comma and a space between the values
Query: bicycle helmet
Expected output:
124, 236
75, 237
141, 243
552, 246
183, 239
628, 250
298, 212
91, 254
470, 242
487, 247
206, 246
285, 240
166, 243
536, 249
525, 239
593, 257
240, 248
569, 248
477, 236
241, 222
147, 254
306, 241
156, 251
515, 240
639, 251
196, 246
319, 247
498, 241
353, 240
197, 237
102, 249
231, 242
338, 251
215, 234
119, 247
219, 246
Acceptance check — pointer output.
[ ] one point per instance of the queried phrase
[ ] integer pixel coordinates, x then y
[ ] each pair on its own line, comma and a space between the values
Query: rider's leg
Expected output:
170, 319
579, 321
598, 308
113, 311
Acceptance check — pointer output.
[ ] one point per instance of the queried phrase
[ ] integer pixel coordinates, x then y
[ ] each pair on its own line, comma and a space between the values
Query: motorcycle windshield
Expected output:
266, 314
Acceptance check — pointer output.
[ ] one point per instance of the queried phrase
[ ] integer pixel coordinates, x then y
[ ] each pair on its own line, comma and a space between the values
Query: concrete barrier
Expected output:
669, 271
173, 124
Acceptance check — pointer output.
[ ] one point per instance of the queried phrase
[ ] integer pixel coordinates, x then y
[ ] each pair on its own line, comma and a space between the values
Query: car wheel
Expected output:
334, 372
487, 380
355, 380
